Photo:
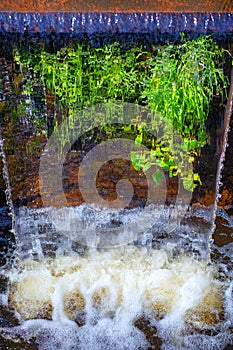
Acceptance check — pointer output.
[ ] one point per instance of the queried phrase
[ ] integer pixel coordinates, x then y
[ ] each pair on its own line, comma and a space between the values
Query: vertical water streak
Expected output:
226, 126
8, 193
5, 92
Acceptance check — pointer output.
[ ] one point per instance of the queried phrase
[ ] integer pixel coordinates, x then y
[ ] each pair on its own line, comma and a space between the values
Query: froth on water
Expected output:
125, 298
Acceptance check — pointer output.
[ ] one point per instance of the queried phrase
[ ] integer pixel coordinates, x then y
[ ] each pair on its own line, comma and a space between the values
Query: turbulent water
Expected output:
49, 231
96, 301
129, 297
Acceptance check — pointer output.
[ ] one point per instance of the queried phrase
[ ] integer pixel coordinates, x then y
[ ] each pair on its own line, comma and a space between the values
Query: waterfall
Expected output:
7, 181
133, 272
9, 199
227, 118
159, 25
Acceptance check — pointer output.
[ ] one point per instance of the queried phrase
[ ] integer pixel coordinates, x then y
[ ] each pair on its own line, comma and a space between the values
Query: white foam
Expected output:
94, 301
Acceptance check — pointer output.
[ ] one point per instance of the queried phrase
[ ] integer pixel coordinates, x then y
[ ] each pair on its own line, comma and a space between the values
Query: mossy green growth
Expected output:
175, 81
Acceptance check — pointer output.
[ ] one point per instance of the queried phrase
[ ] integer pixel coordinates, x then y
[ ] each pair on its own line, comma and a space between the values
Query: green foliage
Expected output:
80, 77
184, 79
175, 81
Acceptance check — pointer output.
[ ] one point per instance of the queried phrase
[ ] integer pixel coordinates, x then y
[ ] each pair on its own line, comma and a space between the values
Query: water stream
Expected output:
161, 26
118, 282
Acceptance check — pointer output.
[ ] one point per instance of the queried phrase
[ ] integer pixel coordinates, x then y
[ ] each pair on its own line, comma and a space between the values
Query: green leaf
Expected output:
188, 183
196, 177
136, 166
157, 176
146, 166
138, 139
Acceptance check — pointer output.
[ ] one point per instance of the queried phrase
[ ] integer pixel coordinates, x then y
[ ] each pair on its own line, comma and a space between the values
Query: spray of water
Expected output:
103, 300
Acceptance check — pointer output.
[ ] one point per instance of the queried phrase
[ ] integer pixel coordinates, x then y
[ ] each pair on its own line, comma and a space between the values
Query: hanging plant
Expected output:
176, 82
184, 79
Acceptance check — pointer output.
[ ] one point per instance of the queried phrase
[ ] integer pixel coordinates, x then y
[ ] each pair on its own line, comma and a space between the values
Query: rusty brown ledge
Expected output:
188, 6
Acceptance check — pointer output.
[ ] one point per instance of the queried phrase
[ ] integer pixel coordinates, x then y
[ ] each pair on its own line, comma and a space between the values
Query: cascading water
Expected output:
92, 277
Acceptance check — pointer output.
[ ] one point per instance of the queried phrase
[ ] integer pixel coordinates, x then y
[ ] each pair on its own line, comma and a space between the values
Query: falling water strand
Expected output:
226, 126
8, 193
